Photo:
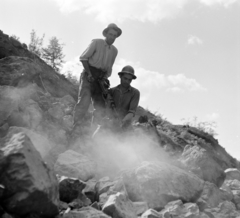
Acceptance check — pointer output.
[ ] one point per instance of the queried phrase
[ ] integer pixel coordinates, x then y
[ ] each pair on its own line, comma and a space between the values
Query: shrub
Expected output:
205, 126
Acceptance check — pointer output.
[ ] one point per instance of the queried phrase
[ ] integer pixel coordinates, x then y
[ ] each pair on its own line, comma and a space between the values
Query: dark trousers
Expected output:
89, 92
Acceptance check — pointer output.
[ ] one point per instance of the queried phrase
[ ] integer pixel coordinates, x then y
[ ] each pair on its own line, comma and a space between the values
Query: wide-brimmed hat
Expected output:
112, 26
128, 70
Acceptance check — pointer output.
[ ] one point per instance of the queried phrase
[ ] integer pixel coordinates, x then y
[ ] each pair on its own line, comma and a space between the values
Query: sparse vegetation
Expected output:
205, 126
36, 43
15, 37
53, 53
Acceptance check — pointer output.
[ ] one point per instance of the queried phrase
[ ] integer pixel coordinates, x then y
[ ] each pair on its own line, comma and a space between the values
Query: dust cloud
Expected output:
120, 151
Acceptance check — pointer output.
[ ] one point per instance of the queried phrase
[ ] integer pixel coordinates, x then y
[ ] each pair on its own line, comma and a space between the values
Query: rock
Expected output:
73, 164
15, 64
8, 103
212, 196
58, 135
140, 207
236, 198
81, 201
17, 107
103, 198
56, 111
177, 209
62, 206
103, 185
27, 180
85, 212
232, 173
6, 215
53, 154
90, 190
32, 114
3, 130
68, 122
40, 142
159, 183
1, 209
224, 209
173, 208
150, 213
204, 164
68, 104
232, 184
104, 188
119, 206
95, 205
22, 71
15, 42
70, 188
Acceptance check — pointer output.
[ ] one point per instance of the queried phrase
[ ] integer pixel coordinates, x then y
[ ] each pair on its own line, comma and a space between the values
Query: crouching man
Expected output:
125, 99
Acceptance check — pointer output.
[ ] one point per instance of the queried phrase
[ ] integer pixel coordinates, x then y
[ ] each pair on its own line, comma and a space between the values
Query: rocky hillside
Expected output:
158, 170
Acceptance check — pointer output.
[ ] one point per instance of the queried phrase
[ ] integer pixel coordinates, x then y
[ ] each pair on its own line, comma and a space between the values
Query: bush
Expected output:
205, 126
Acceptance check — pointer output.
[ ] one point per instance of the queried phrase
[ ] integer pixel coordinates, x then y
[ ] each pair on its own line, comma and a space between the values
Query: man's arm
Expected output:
85, 56
132, 109
86, 67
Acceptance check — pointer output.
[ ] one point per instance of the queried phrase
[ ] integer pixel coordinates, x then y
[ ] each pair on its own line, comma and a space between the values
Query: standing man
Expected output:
97, 61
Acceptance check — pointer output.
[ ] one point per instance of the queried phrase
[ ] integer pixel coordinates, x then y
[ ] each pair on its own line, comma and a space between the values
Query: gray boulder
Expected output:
159, 183
73, 164
119, 206
30, 187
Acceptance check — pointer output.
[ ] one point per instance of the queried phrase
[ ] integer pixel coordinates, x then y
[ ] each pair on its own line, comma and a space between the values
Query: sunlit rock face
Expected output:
19, 67
26, 179
73, 164
160, 183
203, 163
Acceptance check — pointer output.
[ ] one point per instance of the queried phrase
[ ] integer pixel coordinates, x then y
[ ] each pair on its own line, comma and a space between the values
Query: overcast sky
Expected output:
186, 53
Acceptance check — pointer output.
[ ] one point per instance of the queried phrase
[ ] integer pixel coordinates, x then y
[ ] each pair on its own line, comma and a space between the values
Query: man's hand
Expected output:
127, 120
90, 78
106, 83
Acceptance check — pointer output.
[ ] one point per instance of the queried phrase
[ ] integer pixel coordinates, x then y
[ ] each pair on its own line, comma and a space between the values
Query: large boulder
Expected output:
204, 163
30, 187
159, 183
73, 164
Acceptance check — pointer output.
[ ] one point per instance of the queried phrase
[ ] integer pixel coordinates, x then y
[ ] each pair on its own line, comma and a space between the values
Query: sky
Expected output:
186, 53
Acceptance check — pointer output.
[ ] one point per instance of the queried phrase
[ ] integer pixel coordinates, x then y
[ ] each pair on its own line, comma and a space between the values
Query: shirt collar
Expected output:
105, 43
129, 89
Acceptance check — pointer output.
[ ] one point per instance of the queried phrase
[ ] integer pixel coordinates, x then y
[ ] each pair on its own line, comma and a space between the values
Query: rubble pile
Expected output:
161, 170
